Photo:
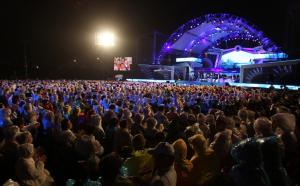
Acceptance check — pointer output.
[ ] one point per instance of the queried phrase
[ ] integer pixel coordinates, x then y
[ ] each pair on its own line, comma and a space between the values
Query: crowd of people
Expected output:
86, 132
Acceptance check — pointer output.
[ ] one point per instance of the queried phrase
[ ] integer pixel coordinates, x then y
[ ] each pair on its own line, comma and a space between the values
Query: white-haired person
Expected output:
29, 171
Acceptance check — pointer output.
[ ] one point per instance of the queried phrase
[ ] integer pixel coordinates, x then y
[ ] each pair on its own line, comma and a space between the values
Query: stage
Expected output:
248, 85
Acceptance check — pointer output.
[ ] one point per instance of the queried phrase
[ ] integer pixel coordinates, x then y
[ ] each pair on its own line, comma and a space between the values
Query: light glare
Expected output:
104, 39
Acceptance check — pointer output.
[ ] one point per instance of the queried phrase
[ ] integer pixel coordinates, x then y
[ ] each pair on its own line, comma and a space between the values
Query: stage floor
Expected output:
291, 87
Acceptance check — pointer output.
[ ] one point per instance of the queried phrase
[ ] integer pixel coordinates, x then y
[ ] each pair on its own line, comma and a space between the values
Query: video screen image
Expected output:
122, 63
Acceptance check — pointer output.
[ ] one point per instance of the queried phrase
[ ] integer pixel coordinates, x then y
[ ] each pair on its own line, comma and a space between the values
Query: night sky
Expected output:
60, 31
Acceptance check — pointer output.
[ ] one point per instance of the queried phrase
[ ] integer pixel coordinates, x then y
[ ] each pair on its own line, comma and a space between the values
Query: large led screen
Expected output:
122, 63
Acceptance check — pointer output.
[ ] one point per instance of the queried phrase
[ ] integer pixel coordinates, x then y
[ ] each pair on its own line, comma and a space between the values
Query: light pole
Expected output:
24, 41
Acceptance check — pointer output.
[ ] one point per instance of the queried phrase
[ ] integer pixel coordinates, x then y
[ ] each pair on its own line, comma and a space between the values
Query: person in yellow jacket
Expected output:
185, 170
205, 160
141, 164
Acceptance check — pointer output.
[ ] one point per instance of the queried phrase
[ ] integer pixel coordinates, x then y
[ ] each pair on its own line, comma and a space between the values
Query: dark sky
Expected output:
59, 31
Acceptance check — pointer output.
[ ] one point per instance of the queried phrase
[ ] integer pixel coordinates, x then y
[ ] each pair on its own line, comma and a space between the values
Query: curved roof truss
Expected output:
204, 32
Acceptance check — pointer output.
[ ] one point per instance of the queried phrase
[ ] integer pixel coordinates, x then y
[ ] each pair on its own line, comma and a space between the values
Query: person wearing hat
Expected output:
222, 140
165, 174
193, 127
164, 157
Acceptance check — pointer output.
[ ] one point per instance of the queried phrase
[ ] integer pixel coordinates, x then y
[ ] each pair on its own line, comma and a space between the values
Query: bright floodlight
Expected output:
104, 39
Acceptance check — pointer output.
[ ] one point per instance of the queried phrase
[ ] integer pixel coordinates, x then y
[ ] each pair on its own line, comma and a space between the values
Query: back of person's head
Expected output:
160, 108
76, 110
44, 102
192, 119
15, 100
146, 110
89, 129
19, 121
67, 109
64, 124
49, 116
23, 137
197, 108
126, 113
126, 151
138, 141
130, 107
112, 107
217, 179
139, 118
11, 132
81, 172
109, 166
123, 123
159, 137
263, 125
186, 108
173, 109
119, 103
87, 110
113, 122
214, 106
136, 108
151, 122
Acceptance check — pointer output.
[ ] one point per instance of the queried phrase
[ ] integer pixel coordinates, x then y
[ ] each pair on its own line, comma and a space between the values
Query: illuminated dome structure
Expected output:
205, 33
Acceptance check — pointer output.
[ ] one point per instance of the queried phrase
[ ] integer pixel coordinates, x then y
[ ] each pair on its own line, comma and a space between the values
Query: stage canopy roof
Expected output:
205, 32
